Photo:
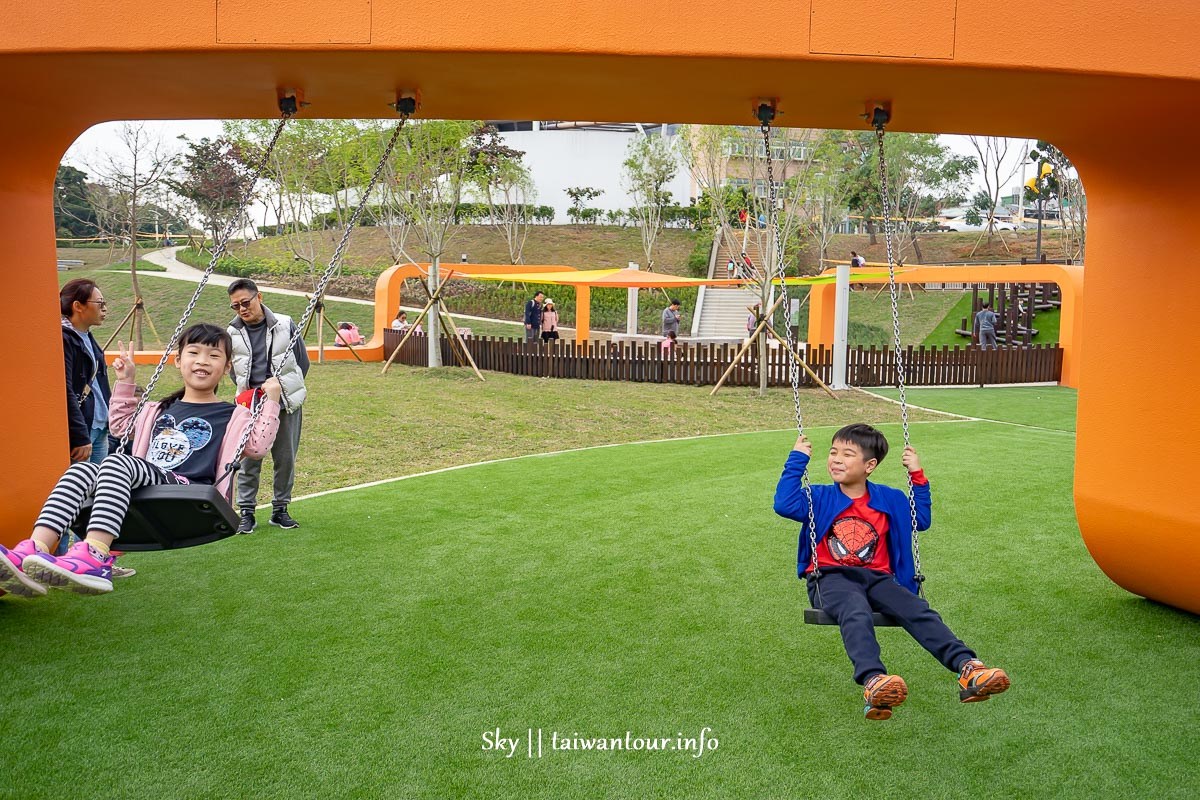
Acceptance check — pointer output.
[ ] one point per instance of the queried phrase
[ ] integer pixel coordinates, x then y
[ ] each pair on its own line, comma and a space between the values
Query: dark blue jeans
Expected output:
850, 594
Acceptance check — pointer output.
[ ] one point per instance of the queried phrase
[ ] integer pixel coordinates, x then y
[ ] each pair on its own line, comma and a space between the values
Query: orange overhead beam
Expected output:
1119, 91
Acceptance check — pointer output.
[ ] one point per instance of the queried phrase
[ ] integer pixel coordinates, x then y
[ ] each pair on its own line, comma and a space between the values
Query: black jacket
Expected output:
533, 314
79, 375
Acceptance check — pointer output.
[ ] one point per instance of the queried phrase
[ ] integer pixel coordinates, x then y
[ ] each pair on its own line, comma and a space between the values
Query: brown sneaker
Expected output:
978, 682
883, 693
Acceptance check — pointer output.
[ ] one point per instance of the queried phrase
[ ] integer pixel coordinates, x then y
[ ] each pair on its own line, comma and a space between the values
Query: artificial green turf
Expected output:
644, 588
1039, 406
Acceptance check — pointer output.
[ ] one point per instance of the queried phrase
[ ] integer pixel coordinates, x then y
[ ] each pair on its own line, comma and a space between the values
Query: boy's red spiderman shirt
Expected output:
858, 536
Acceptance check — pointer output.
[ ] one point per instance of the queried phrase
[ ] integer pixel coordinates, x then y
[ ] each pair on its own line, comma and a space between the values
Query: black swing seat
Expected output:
170, 517
817, 616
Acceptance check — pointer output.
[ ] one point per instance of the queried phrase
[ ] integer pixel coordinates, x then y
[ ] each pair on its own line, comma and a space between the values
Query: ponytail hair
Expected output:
201, 333
74, 291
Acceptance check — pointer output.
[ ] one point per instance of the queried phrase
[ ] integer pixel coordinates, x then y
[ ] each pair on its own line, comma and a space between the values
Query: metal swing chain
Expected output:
319, 292
894, 293
218, 251
793, 367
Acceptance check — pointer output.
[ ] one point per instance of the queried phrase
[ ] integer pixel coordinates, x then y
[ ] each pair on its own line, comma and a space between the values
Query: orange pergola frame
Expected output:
1107, 81
822, 298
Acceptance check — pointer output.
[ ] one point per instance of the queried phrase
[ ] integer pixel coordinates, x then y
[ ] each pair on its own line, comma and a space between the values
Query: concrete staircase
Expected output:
731, 247
724, 312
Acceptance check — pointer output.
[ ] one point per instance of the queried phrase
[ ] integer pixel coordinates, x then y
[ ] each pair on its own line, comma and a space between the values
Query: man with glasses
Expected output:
260, 350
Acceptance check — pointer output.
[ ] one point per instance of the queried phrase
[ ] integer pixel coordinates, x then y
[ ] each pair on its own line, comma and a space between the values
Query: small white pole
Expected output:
631, 306
841, 325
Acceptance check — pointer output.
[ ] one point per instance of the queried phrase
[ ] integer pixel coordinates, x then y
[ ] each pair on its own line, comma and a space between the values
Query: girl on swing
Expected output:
188, 437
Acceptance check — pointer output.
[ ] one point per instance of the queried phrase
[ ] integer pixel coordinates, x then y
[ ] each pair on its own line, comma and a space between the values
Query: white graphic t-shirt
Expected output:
187, 439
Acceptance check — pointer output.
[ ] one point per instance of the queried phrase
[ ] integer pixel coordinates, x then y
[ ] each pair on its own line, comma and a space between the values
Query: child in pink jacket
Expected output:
188, 437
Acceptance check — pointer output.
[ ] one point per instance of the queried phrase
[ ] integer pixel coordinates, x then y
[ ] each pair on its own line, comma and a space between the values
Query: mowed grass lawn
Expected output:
646, 588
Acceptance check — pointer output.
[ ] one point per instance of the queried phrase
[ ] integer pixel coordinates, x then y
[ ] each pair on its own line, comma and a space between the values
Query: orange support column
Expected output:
583, 313
821, 301
33, 428
1140, 373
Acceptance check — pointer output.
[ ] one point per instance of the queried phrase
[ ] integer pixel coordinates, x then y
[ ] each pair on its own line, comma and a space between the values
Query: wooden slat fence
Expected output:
702, 364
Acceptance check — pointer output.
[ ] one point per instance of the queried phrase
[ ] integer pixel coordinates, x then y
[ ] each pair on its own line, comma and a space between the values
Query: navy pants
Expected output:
850, 594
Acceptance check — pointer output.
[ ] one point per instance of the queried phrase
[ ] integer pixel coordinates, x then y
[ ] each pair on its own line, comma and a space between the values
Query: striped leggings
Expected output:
109, 482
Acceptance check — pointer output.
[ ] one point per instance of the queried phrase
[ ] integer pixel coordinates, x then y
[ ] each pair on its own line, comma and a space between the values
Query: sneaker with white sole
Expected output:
280, 518
12, 578
81, 570
246, 521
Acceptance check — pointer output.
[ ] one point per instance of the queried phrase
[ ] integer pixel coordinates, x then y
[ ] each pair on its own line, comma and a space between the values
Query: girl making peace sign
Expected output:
188, 437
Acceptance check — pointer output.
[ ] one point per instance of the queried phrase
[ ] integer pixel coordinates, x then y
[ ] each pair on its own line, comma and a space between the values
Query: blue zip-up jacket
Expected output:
829, 501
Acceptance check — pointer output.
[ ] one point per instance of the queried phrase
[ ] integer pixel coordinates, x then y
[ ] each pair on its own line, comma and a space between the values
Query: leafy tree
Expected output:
824, 196
506, 186
214, 177
73, 215
1056, 181
923, 175
649, 165
580, 195
433, 163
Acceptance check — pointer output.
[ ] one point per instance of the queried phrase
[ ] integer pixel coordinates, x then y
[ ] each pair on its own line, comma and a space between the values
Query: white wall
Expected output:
559, 159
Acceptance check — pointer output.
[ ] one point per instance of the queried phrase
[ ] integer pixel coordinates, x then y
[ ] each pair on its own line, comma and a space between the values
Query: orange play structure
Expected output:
1115, 85
1069, 279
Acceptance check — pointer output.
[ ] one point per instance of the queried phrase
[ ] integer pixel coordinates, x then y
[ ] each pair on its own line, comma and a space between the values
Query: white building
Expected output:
560, 155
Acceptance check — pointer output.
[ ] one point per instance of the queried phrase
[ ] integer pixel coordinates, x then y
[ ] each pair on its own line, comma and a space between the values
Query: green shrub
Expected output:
697, 263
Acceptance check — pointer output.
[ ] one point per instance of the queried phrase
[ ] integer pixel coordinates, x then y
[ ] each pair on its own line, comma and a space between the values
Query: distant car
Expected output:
956, 222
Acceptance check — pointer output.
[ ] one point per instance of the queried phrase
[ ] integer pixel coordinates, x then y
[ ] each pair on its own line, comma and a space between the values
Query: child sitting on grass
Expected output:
189, 437
864, 563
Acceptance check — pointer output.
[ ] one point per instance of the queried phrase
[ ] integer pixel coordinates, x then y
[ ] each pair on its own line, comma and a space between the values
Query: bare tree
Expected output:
1072, 212
705, 151
993, 152
787, 168
131, 175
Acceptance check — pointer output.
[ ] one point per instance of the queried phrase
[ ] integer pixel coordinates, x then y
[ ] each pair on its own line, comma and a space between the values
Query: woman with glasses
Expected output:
88, 395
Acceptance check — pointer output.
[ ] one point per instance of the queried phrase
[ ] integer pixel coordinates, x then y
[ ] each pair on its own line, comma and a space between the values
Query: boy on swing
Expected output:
864, 563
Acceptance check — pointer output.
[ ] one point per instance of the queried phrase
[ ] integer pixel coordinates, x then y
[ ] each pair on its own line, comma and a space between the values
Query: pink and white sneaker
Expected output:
81, 570
12, 578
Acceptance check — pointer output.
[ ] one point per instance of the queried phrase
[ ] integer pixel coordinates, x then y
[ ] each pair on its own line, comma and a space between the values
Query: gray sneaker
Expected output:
123, 572
280, 518
247, 523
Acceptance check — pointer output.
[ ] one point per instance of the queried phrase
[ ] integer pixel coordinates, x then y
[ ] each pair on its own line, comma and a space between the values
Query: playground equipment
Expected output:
1067, 278
70, 65
171, 517
1016, 306
878, 116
